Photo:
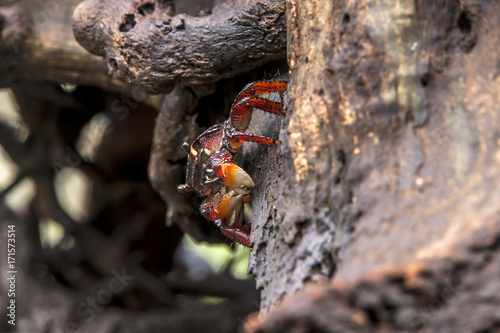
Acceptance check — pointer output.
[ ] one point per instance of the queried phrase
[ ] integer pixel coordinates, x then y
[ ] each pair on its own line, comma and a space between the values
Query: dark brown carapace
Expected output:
210, 170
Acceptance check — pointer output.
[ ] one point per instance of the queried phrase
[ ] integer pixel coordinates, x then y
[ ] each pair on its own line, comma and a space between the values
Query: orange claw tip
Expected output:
237, 179
192, 152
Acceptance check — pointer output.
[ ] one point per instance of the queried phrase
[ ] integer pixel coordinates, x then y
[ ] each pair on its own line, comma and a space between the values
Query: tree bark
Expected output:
390, 159
144, 43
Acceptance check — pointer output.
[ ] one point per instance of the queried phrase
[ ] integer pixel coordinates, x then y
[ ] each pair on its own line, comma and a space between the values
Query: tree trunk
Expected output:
390, 159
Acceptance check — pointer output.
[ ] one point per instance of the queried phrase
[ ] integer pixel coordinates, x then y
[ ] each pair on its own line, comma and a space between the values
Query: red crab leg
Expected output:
261, 88
236, 139
238, 235
241, 113
233, 176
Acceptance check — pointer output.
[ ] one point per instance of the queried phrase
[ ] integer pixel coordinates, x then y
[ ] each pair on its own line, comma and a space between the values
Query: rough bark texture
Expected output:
390, 157
144, 43
459, 293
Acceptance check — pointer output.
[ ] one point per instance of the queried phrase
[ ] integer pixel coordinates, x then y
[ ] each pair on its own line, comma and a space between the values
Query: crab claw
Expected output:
220, 206
233, 176
236, 178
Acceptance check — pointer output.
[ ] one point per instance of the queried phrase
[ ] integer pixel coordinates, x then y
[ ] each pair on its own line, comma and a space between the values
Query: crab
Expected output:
211, 171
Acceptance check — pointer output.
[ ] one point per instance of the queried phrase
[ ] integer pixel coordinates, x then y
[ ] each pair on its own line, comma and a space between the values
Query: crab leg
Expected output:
261, 88
241, 113
233, 176
236, 139
238, 235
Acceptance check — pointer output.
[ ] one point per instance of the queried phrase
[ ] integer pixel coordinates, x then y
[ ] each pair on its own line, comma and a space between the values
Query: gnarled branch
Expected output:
144, 43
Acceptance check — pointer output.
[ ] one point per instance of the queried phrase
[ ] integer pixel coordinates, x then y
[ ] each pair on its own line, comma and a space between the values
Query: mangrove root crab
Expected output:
210, 170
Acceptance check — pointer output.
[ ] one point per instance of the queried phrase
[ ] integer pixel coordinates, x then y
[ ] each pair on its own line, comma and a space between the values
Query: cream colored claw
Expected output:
237, 179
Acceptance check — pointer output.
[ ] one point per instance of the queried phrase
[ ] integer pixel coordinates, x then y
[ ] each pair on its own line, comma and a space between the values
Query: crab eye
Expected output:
186, 147
193, 152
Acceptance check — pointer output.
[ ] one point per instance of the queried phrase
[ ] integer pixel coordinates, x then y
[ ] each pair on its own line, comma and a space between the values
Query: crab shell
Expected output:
209, 161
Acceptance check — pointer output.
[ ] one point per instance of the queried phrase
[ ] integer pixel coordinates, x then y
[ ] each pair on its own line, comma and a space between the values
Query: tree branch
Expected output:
143, 43
37, 45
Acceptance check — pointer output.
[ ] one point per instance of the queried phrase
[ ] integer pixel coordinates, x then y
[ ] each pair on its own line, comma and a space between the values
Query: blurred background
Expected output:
93, 252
